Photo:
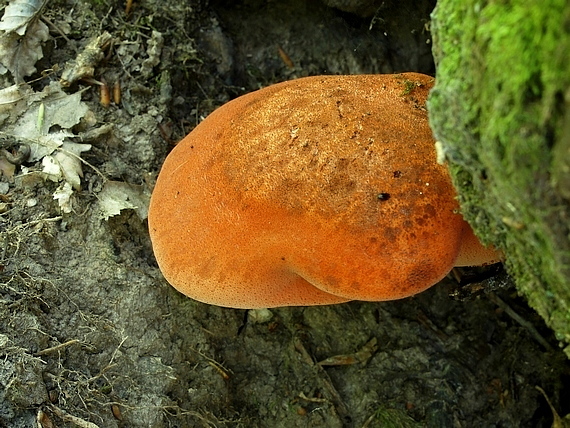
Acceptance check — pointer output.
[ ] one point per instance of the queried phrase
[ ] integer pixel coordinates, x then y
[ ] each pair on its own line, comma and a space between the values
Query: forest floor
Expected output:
91, 332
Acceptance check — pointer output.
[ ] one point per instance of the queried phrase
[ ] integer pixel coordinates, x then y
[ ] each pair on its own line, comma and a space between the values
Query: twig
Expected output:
524, 323
57, 347
336, 399
82, 423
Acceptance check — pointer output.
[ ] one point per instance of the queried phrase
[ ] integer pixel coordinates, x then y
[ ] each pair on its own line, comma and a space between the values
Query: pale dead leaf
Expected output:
19, 54
51, 169
64, 110
44, 128
63, 195
13, 102
65, 164
43, 145
11, 95
117, 196
69, 161
19, 13
59, 110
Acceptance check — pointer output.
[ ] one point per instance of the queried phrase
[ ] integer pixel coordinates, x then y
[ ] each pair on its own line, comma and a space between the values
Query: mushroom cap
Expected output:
313, 191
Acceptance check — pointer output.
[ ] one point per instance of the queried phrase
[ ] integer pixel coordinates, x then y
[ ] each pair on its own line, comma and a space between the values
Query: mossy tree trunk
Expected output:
501, 110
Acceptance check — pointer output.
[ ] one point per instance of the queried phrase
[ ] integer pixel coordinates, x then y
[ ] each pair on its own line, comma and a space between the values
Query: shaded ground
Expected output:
136, 353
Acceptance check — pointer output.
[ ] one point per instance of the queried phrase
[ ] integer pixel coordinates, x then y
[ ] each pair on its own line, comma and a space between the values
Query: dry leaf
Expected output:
117, 196
43, 145
11, 95
24, 33
69, 161
19, 13
13, 102
66, 164
44, 127
51, 169
361, 356
51, 108
63, 195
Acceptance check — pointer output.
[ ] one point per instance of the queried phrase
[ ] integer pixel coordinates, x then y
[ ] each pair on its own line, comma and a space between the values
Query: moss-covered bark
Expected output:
501, 110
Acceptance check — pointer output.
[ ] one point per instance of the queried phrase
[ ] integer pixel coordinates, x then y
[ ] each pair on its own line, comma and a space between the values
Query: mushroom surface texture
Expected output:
314, 191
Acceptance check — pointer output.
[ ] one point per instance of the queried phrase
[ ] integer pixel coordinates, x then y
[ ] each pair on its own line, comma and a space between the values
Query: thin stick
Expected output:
57, 347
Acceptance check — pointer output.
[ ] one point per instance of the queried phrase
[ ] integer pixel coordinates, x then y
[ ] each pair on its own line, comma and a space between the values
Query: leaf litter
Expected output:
43, 121
22, 38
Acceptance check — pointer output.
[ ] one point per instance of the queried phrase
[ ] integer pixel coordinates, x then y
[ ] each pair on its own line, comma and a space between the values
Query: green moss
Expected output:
409, 86
500, 108
392, 418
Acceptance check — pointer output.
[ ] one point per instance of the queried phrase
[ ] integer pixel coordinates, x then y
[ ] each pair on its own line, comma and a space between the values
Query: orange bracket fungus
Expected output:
314, 191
